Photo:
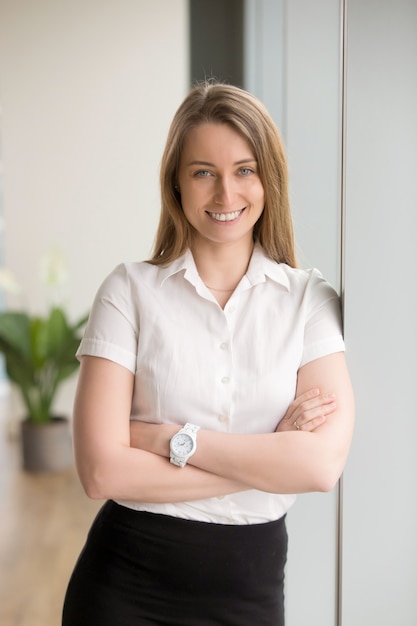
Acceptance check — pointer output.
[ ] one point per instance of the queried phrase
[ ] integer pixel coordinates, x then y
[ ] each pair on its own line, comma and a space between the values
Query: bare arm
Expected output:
287, 461
290, 462
107, 464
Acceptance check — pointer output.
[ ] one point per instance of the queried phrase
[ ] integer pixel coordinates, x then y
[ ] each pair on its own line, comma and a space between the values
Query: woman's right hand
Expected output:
308, 411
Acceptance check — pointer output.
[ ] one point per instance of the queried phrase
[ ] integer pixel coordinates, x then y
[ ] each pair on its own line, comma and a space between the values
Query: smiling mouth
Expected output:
225, 217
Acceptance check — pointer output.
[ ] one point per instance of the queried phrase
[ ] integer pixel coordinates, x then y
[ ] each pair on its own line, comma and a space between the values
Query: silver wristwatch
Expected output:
183, 444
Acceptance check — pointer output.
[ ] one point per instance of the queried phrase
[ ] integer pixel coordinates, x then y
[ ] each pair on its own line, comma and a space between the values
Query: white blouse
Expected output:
232, 370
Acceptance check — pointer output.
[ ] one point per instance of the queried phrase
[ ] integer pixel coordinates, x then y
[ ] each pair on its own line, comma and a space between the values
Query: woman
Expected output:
221, 337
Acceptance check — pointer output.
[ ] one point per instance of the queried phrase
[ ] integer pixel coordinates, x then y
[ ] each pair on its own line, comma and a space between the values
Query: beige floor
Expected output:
43, 523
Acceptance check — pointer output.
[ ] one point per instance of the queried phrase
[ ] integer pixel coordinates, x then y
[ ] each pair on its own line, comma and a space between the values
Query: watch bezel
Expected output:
179, 434
190, 430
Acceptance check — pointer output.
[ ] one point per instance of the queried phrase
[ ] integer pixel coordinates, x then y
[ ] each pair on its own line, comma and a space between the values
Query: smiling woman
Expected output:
247, 367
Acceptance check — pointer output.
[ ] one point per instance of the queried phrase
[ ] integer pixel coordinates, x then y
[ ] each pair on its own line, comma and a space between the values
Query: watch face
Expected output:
182, 445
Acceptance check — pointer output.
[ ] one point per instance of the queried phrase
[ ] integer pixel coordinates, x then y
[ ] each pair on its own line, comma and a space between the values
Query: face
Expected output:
221, 193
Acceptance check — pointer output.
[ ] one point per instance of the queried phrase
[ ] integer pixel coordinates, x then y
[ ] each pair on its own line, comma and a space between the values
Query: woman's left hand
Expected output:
308, 411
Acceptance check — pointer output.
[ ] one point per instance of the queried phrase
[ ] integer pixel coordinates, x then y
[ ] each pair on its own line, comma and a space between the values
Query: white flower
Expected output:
8, 282
54, 268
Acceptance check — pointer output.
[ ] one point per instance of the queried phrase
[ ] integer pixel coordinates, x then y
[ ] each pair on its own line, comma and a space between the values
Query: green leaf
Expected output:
38, 339
57, 332
39, 354
15, 333
20, 371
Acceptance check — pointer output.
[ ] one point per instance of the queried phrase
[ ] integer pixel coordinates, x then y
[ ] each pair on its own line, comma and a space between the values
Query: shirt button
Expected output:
224, 345
225, 379
223, 418
231, 309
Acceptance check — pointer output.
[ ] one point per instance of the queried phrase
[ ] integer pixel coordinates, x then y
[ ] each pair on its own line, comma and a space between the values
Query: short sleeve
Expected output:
112, 330
323, 326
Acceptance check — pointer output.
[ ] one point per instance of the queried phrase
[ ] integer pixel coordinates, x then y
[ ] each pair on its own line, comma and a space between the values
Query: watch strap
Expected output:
190, 429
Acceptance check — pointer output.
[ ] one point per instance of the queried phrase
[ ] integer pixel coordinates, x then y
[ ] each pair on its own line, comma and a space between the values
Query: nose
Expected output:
225, 191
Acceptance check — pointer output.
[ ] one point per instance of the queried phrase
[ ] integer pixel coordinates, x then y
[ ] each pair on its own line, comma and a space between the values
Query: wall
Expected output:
87, 91
379, 575
312, 113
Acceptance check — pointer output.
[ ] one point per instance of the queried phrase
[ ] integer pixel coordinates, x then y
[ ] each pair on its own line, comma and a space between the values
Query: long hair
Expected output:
216, 103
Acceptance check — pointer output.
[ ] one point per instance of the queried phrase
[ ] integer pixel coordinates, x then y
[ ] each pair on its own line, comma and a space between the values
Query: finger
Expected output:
299, 400
306, 396
301, 409
305, 416
321, 400
312, 424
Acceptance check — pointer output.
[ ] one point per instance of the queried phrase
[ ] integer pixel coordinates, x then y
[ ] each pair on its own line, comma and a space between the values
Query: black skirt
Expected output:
140, 568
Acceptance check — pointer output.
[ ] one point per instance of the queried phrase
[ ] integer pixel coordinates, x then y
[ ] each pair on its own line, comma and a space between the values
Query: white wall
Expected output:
312, 116
379, 502
87, 91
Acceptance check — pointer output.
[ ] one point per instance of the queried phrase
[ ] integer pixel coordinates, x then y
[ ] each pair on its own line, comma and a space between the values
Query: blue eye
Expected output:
202, 173
245, 171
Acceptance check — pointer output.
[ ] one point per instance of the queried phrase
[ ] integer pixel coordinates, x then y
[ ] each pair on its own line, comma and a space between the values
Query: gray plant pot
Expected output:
47, 447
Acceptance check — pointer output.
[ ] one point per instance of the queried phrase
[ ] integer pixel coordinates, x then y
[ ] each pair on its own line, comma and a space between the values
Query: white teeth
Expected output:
226, 217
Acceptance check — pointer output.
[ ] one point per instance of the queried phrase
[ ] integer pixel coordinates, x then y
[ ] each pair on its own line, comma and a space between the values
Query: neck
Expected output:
222, 268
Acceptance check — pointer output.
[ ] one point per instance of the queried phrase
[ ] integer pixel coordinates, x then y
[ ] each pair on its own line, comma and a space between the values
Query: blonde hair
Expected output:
211, 102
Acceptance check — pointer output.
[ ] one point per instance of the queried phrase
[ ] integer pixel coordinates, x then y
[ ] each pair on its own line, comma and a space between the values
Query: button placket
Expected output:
225, 374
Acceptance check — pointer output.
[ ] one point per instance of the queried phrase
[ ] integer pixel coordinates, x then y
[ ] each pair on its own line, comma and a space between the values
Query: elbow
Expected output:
327, 483
93, 490
95, 481
328, 466
328, 475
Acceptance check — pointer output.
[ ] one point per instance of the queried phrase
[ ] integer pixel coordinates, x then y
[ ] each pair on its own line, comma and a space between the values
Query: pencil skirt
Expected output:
139, 568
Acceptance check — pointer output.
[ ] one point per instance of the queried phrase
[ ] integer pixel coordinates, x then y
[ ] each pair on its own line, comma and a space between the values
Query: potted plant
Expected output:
39, 354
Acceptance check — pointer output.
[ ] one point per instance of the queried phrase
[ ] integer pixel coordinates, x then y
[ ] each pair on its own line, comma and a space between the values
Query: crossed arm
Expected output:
116, 459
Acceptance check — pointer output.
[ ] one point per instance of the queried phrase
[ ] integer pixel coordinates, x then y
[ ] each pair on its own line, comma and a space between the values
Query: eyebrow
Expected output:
241, 162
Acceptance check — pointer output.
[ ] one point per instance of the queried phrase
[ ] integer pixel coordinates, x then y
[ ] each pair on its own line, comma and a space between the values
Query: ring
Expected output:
296, 425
